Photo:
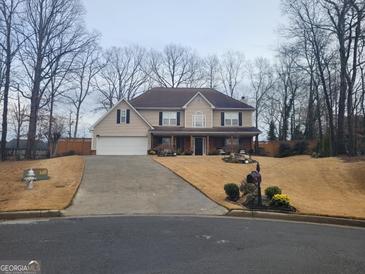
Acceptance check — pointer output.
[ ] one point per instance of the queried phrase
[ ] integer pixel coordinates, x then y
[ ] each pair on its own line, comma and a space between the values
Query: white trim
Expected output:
194, 118
121, 115
196, 94
110, 110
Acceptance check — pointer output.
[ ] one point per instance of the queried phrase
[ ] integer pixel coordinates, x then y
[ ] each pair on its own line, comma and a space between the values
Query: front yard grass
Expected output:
326, 186
56, 193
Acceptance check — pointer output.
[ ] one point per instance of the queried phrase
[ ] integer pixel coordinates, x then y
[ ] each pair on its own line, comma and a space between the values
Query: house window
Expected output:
123, 116
198, 119
231, 118
169, 118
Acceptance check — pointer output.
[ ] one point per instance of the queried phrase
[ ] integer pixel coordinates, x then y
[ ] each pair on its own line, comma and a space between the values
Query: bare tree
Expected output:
50, 25
262, 82
211, 67
19, 116
289, 83
9, 18
174, 67
231, 71
345, 18
58, 85
122, 76
87, 67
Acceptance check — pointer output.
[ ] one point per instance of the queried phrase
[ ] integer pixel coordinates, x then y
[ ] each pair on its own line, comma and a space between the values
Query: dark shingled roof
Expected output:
178, 97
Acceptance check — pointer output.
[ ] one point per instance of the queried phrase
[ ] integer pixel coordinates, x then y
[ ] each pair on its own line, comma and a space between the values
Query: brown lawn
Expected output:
56, 193
326, 186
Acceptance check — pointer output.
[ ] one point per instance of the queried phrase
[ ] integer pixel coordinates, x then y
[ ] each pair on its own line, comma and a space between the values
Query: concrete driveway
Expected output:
136, 185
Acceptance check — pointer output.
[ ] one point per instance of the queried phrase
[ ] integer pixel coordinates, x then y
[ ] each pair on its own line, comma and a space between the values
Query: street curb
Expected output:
30, 214
296, 217
78, 186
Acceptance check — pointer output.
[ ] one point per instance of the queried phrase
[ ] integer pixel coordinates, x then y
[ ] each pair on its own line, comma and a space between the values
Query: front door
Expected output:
198, 146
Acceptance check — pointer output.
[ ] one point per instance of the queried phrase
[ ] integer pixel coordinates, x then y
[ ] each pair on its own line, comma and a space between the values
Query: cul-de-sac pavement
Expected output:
131, 224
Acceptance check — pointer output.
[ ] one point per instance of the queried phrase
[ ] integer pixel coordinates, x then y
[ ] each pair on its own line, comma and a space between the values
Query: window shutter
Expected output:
160, 118
178, 118
240, 119
128, 116
222, 119
118, 116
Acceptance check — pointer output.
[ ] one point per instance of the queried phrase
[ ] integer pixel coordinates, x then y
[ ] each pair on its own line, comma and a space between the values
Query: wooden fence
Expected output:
78, 146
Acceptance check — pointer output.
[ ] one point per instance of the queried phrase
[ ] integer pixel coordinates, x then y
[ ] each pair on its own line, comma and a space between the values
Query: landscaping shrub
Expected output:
271, 191
284, 150
280, 200
232, 191
214, 152
69, 153
188, 152
300, 147
151, 152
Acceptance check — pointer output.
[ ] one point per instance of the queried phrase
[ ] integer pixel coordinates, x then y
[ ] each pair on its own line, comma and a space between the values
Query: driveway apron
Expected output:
136, 185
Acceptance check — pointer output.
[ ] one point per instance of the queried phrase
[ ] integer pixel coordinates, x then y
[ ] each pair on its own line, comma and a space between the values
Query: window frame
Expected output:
172, 117
201, 115
228, 116
123, 116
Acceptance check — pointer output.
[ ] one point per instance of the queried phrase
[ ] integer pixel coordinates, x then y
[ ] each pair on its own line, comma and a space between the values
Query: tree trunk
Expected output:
34, 105
309, 124
50, 137
6, 95
341, 149
77, 120
256, 138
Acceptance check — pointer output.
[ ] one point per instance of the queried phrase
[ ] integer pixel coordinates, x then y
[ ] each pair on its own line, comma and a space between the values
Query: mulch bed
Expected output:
265, 206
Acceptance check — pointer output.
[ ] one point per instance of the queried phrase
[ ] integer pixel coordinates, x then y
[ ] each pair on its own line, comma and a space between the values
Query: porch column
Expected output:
172, 142
231, 138
207, 150
191, 143
151, 141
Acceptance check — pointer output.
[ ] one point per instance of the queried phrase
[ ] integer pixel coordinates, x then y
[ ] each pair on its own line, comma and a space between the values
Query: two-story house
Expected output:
200, 120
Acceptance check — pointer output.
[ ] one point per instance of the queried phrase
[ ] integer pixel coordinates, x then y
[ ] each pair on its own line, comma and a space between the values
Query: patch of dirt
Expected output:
56, 193
326, 186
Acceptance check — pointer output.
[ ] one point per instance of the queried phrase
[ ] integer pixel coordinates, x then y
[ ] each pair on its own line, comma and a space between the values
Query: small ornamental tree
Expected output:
271, 136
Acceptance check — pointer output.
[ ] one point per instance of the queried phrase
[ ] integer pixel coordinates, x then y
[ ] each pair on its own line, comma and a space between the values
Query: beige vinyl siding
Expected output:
152, 116
109, 127
246, 117
198, 104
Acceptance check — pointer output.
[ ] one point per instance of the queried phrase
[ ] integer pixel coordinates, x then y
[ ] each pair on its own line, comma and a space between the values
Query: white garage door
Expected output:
121, 145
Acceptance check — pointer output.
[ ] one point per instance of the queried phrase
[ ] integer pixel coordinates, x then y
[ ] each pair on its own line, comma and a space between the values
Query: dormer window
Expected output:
198, 119
231, 119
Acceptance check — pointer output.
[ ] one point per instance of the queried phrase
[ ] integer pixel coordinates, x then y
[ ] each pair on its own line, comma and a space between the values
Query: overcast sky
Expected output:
209, 26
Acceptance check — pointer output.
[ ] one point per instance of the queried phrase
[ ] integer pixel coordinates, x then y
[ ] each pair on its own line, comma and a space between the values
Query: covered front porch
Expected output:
201, 144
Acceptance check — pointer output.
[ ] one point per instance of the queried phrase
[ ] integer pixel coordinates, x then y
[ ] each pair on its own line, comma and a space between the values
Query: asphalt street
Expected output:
181, 244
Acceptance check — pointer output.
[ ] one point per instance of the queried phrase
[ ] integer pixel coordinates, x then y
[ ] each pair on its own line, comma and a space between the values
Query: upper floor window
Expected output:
169, 118
123, 116
231, 118
198, 119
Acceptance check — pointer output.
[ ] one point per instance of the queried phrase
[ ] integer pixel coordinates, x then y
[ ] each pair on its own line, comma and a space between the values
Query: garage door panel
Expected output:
121, 145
